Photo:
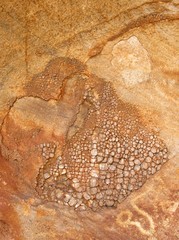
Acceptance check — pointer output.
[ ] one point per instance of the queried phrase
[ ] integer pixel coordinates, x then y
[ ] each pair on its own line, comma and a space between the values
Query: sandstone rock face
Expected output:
89, 133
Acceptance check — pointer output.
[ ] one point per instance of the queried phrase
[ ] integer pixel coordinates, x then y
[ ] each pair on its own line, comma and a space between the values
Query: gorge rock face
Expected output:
89, 113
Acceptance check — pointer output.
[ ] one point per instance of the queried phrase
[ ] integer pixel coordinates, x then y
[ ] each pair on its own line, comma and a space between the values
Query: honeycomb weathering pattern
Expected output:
111, 155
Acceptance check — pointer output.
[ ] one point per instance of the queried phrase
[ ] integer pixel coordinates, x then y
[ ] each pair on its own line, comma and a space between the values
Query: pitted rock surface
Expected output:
109, 156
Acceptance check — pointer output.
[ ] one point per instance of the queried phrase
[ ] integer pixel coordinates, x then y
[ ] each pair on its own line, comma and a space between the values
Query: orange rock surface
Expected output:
89, 123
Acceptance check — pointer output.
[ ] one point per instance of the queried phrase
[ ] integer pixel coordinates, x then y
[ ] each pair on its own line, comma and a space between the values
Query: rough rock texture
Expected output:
88, 114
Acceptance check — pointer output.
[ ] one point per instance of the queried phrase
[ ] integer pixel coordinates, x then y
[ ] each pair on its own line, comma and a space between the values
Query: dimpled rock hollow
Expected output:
111, 155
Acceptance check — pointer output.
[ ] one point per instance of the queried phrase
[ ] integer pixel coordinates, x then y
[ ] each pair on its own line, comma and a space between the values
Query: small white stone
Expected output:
72, 202
76, 185
59, 193
93, 190
63, 171
126, 173
136, 161
46, 175
51, 155
94, 145
130, 187
118, 150
94, 152
121, 161
78, 203
153, 150
109, 203
75, 180
106, 151
148, 159
108, 181
93, 182
153, 170
59, 158
131, 163
137, 168
94, 173
86, 196
118, 186
144, 165
99, 196
112, 168
103, 166
109, 192
131, 158
67, 197
112, 153
99, 159
110, 160
41, 145
150, 154
93, 160
60, 166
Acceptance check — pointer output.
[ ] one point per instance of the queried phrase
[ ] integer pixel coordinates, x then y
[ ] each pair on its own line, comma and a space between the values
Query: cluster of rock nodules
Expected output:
110, 157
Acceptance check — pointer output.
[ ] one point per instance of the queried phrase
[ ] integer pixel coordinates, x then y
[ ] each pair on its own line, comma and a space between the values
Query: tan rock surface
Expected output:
131, 44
